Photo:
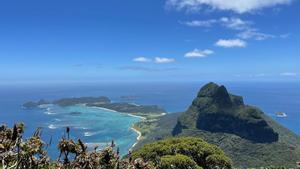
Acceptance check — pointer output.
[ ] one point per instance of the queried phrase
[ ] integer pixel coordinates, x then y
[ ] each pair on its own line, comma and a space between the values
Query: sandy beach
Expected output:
138, 137
101, 108
141, 117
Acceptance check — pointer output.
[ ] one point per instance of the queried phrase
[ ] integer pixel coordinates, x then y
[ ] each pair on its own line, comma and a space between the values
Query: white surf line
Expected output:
132, 115
138, 137
102, 108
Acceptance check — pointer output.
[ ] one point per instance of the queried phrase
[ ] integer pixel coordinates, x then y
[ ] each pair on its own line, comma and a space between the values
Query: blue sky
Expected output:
143, 40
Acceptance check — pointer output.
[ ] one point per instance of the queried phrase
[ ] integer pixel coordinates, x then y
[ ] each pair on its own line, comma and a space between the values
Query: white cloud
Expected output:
238, 6
163, 60
199, 23
254, 34
157, 60
288, 74
196, 53
231, 43
148, 69
260, 75
235, 23
142, 59
231, 23
284, 36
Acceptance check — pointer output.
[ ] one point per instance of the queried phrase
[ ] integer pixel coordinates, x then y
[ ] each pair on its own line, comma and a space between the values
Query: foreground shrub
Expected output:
21, 154
200, 152
177, 161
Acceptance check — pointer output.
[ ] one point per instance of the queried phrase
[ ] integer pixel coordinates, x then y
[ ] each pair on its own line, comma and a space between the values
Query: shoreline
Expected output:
102, 108
138, 137
132, 115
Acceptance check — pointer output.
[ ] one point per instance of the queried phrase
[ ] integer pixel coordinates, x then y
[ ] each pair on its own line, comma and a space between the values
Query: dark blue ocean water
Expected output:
99, 126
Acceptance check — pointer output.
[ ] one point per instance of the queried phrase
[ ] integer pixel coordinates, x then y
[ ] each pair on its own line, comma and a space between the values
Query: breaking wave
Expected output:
52, 126
89, 134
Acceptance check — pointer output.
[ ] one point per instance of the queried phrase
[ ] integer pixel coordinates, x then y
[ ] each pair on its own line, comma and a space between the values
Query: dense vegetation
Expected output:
182, 153
186, 152
82, 100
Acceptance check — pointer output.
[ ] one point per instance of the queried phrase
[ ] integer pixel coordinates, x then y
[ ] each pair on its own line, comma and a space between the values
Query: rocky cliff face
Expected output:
216, 110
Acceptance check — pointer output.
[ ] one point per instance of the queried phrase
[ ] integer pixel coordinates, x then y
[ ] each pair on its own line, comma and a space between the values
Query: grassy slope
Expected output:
243, 152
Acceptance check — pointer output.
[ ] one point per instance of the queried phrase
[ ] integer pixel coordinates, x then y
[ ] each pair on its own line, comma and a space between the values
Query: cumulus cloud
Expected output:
288, 74
237, 6
163, 60
196, 53
231, 43
142, 59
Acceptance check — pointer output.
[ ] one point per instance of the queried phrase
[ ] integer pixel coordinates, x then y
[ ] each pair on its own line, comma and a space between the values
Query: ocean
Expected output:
98, 126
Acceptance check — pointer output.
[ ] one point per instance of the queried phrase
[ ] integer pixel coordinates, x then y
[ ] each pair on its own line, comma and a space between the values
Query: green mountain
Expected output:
215, 110
245, 133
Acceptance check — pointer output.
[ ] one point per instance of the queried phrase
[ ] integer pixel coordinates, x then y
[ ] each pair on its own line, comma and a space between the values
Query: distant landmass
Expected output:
82, 100
102, 102
244, 132
32, 104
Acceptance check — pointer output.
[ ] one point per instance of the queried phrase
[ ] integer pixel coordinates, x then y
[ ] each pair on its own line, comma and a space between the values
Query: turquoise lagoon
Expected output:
95, 126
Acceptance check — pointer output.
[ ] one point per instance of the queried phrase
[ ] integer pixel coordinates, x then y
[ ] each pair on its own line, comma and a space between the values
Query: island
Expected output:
147, 112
